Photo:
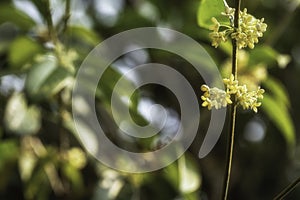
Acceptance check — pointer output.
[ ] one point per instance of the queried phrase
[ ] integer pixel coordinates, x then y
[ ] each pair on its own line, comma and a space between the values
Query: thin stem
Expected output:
51, 28
230, 145
230, 141
287, 190
237, 5
67, 14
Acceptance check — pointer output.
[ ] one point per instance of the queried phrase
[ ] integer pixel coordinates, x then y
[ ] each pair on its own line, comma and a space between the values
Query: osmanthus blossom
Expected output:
218, 98
246, 35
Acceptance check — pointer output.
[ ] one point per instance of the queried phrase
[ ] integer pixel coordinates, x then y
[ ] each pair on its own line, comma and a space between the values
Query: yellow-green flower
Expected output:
250, 29
216, 25
217, 98
217, 38
214, 97
231, 84
249, 99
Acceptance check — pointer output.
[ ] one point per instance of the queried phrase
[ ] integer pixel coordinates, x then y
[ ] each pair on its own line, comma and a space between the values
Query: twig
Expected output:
67, 15
230, 141
51, 28
287, 190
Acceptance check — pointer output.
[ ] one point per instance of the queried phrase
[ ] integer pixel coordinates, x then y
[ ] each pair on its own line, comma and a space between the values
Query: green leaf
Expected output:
267, 55
43, 7
263, 54
8, 153
39, 73
59, 79
189, 178
281, 118
8, 157
19, 118
84, 34
107, 85
38, 186
74, 176
211, 8
27, 161
184, 175
9, 13
279, 92
46, 78
22, 51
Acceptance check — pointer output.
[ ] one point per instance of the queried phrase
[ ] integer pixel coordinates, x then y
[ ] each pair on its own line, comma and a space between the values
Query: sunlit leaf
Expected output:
208, 9
184, 175
74, 176
38, 186
46, 78
22, 50
189, 177
20, 118
281, 118
84, 34
27, 161
106, 86
39, 73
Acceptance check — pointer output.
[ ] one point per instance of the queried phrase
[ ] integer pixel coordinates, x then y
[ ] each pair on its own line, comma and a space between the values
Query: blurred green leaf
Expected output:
27, 162
39, 73
191, 196
281, 118
9, 13
22, 50
74, 176
104, 92
43, 7
19, 118
189, 176
84, 34
8, 156
267, 55
59, 79
46, 78
171, 174
208, 9
38, 186
184, 175
278, 91
263, 54
8, 153
7, 36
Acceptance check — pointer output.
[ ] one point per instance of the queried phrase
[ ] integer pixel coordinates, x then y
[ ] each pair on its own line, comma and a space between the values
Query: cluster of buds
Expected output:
247, 34
218, 98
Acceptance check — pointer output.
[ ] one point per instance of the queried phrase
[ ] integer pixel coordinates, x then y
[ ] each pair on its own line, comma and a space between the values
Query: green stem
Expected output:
67, 14
230, 141
287, 190
230, 145
51, 28
237, 5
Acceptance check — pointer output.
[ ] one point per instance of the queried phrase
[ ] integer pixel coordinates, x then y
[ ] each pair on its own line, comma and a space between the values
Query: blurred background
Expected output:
43, 43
